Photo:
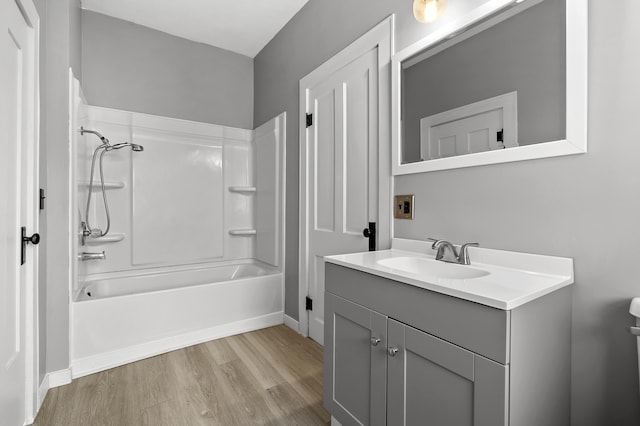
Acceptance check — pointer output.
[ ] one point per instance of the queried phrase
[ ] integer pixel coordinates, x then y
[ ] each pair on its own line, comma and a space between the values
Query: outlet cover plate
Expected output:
403, 207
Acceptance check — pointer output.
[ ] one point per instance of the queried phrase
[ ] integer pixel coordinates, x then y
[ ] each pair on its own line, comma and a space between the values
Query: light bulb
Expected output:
426, 11
431, 11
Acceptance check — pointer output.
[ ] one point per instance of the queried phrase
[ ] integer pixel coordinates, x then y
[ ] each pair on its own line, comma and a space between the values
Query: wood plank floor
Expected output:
267, 377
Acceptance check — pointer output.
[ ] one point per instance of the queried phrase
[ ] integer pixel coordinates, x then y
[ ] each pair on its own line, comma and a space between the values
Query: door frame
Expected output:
32, 151
382, 37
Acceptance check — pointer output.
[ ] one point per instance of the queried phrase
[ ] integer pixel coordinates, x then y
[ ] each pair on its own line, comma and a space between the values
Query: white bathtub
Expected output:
124, 319
144, 283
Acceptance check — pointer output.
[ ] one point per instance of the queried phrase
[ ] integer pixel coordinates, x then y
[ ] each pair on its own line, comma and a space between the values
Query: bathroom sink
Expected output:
497, 278
433, 268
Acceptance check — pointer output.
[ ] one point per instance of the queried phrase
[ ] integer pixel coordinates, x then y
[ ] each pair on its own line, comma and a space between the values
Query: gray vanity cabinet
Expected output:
358, 370
434, 382
397, 354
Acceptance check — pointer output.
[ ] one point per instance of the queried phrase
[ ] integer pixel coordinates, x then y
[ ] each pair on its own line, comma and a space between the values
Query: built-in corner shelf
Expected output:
243, 189
111, 238
98, 187
244, 231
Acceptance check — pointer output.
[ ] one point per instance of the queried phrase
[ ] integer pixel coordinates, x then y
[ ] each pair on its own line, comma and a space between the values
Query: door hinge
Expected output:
500, 135
309, 120
42, 197
308, 305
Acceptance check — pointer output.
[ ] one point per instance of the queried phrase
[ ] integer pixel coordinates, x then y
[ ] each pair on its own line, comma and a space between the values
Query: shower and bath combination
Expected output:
104, 147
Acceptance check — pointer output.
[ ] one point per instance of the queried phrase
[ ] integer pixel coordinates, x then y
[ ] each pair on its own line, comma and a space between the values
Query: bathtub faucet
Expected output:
92, 256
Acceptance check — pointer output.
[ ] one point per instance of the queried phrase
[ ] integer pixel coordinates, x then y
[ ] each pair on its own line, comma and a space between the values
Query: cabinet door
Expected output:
433, 382
355, 363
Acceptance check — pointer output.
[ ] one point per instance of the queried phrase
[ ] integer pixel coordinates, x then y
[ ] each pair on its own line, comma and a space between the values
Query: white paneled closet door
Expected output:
18, 180
341, 169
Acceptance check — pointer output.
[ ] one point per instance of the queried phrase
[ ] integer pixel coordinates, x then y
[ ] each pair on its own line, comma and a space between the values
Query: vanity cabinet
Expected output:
397, 354
359, 364
435, 382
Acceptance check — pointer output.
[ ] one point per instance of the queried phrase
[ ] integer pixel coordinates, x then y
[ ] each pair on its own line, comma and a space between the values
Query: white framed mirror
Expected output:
505, 82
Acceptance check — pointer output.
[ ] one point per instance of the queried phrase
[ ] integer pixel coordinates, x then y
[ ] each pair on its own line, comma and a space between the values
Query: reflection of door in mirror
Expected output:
482, 126
524, 53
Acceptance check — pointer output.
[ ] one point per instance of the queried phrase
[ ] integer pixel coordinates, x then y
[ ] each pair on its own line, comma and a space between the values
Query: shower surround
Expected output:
195, 247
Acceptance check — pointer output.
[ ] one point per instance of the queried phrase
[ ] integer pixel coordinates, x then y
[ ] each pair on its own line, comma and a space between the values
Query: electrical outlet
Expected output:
403, 208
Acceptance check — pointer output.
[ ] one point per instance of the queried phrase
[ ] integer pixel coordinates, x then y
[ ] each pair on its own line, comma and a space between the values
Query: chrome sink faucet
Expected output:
447, 251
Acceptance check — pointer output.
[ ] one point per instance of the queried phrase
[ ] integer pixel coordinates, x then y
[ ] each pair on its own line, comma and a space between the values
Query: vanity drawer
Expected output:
478, 328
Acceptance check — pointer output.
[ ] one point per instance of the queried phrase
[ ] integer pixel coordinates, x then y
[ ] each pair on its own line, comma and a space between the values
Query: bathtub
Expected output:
120, 319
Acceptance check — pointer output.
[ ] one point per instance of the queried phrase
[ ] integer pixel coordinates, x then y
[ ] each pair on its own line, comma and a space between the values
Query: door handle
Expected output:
370, 233
34, 239
393, 351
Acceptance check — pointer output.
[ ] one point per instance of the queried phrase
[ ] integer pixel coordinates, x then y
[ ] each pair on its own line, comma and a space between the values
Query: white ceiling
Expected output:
242, 26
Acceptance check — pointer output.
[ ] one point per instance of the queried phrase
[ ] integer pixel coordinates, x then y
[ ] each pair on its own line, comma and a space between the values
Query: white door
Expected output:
467, 135
341, 169
486, 125
17, 165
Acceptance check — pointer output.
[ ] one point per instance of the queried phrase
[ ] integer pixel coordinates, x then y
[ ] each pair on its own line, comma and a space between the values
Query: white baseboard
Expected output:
42, 391
93, 364
43, 388
52, 380
291, 323
59, 378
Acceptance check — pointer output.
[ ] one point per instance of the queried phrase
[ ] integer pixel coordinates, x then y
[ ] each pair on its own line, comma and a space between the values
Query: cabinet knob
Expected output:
375, 341
393, 351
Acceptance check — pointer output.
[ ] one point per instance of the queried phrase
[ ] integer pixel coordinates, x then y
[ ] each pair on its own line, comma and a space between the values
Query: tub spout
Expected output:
92, 256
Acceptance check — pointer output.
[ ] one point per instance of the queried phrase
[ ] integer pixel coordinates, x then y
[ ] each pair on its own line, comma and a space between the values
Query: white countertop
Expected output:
513, 278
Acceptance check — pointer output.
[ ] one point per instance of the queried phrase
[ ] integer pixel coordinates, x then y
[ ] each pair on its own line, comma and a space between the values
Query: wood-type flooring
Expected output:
266, 377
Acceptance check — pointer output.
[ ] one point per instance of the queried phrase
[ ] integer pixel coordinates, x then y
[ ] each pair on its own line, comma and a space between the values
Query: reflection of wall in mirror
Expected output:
525, 53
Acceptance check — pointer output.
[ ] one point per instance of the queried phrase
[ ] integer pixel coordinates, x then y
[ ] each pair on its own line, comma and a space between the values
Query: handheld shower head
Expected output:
134, 147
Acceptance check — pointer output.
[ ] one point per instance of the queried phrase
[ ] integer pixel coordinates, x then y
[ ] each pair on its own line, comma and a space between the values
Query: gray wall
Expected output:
59, 49
319, 31
524, 53
584, 207
134, 68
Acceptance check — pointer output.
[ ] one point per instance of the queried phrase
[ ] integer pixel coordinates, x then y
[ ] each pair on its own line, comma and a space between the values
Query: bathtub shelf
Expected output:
243, 189
98, 187
242, 232
111, 238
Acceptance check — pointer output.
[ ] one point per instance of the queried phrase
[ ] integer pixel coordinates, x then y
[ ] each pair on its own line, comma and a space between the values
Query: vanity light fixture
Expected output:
426, 11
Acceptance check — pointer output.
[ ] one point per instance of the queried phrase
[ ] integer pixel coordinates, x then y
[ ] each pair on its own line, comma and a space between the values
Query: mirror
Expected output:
492, 87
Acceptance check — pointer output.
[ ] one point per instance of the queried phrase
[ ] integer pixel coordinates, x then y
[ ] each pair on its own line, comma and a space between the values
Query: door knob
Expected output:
375, 341
34, 239
370, 233
393, 351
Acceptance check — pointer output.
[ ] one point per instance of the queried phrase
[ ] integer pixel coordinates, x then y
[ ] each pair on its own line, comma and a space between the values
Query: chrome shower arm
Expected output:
104, 140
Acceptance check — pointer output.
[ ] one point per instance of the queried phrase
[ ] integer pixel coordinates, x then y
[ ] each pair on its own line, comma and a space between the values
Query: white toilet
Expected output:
634, 309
